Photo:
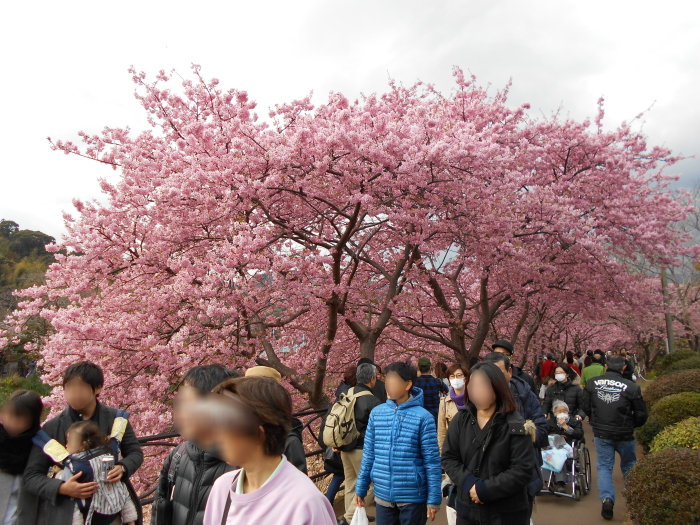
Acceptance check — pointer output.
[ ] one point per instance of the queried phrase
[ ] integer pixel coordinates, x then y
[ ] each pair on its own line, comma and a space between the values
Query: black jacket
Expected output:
294, 447
629, 370
196, 473
521, 374
379, 391
363, 407
500, 466
575, 429
569, 393
615, 406
52, 508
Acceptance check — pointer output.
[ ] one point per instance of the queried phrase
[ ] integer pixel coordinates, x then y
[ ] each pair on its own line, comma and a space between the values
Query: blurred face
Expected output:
236, 448
507, 373
73, 442
79, 394
14, 424
185, 395
480, 391
396, 387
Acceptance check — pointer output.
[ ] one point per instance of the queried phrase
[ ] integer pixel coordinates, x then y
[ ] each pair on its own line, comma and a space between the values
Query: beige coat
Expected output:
448, 411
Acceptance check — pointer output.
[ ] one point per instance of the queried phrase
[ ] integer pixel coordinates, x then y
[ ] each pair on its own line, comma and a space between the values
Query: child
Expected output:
19, 422
89, 450
82, 384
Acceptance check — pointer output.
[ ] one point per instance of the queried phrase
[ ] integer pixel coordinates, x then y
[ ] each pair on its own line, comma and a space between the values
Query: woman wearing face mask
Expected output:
488, 454
562, 388
450, 405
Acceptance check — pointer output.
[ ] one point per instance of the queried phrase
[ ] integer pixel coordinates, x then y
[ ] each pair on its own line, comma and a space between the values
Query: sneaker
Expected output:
371, 519
607, 511
343, 521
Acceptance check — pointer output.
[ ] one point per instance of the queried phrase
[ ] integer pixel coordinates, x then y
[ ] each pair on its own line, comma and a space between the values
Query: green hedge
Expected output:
663, 362
685, 434
685, 364
673, 383
663, 488
668, 411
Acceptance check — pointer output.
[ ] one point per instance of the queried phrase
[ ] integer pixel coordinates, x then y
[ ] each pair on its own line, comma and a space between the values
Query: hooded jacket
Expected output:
401, 455
568, 392
50, 508
500, 466
615, 406
195, 475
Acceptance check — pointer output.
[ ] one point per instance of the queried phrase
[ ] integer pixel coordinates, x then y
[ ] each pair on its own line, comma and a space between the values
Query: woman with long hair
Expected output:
488, 454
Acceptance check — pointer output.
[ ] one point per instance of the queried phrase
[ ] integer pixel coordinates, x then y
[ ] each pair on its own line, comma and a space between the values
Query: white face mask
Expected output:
458, 383
562, 418
560, 377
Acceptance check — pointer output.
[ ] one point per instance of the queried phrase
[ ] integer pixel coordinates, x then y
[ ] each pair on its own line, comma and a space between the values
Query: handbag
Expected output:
359, 517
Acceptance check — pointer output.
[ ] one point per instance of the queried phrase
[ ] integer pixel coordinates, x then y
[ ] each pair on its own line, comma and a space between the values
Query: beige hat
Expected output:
264, 371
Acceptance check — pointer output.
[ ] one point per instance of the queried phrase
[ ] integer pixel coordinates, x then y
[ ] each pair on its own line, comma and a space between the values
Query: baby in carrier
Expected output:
88, 451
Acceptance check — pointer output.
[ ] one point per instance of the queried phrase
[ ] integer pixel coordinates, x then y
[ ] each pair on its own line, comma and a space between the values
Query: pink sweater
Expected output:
290, 498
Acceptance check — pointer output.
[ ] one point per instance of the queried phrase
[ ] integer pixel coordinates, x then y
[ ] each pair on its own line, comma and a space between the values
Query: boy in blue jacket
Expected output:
401, 455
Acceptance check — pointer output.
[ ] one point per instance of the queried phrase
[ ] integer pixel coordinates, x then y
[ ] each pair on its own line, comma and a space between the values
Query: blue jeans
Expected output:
606, 448
334, 487
411, 514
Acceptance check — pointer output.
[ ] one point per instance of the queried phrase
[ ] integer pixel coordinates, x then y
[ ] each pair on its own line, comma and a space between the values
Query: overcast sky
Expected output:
64, 68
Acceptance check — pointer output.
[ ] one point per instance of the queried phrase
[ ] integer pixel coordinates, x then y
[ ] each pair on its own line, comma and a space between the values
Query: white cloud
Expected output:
65, 67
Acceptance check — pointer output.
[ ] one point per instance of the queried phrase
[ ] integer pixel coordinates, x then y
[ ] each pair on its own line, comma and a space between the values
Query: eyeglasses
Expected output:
457, 376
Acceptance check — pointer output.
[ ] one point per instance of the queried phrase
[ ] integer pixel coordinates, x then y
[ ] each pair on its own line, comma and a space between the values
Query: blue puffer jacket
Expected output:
401, 455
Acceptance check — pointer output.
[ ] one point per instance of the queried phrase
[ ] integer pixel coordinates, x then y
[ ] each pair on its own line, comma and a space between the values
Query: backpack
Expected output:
162, 510
340, 428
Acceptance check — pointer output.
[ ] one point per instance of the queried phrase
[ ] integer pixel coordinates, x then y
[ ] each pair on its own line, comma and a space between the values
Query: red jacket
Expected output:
548, 368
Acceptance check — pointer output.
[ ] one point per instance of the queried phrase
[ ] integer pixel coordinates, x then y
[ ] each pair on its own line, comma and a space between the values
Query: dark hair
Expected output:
453, 369
365, 373
497, 357
87, 371
404, 370
90, 434
570, 357
441, 370
504, 398
24, 403
616, 363
350, 376
206, 377
270, 402
550, 356
473, 360
570, 373
589, 353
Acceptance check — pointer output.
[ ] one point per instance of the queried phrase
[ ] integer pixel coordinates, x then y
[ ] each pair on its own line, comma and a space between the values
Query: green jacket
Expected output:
591, 371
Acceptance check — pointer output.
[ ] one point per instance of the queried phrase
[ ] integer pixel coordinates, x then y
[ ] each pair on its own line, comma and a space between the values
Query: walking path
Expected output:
552, 510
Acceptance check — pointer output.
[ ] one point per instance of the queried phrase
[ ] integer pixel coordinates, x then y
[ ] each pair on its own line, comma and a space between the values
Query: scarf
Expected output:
14, 451
460, 400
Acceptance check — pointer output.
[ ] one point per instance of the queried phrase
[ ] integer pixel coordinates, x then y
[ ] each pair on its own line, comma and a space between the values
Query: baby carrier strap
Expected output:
118, 429
50, 446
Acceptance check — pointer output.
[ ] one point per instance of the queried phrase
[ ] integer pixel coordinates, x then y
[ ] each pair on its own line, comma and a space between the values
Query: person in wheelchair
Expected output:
570, 428
562, 424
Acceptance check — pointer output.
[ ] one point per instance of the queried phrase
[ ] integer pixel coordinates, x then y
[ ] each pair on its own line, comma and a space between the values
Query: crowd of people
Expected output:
466, 437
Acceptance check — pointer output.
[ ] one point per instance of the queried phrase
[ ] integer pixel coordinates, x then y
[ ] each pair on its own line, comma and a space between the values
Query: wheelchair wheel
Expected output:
588, 470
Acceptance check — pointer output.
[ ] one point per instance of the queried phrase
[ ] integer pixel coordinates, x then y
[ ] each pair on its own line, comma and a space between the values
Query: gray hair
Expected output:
559, 404
365, 373
616, 363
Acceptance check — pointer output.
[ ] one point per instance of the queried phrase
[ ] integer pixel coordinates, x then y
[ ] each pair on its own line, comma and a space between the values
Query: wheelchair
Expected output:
577, 472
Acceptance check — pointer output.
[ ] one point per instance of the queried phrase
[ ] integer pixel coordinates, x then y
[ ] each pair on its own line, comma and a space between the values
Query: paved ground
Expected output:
552, 510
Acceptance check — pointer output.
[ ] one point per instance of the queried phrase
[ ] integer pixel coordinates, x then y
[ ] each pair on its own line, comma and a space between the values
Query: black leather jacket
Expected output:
615, 406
